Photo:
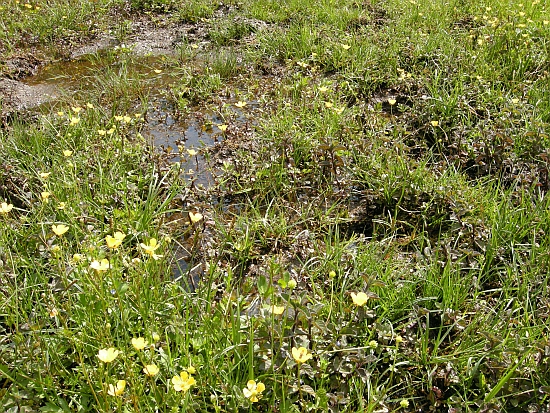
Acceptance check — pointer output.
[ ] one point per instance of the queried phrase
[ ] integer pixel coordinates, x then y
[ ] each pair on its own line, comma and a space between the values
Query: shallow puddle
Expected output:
181, 139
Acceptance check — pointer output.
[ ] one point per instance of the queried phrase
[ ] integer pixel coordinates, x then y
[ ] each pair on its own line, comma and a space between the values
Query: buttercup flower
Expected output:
45, 195
359, 299
151, 370
115, 241
240, 104
195, 217
151, 248
434, 123
191, 370
192, 152
118, 389
44, 175
253, 391
323, 89
301, 355
5, 207
60, 229
392, 101
346, 46
139, 343
183, 382
404, 403
75, 120
222, 127
67, 152
100, 266
107, 355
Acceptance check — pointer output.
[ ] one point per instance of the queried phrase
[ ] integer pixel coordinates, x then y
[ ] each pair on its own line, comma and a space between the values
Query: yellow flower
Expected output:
151, 370
253, 391
195, 216
115, 241
60, 229
75, 120
223, 128
5, 208
107, 355
392, 101
277, 310
118, 389
76, 109
151, 248
359, 299
434, 123
346, 46
119, 118
157, 71
329, 104
60, 114
139, 343
323, 89
89, 105
127, 119
100, 266
192, 152
301, 355
101, 132
183, 382
62, 205
44, 175
67, 152
45, 195
240, 104
191, 370
404, 403
111, 131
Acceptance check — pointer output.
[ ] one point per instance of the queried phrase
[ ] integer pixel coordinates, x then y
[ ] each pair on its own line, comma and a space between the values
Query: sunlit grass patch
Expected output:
373, 236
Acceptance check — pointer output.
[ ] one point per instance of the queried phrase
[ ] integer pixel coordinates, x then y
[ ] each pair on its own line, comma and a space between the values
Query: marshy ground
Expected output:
274, 206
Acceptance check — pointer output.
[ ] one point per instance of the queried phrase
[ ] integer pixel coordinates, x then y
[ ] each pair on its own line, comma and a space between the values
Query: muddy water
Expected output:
172, 135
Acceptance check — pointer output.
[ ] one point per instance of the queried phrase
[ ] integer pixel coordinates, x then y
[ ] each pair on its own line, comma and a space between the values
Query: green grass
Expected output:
395, 150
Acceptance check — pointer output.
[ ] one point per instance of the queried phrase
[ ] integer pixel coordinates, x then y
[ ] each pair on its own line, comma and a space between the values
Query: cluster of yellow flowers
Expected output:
181, 382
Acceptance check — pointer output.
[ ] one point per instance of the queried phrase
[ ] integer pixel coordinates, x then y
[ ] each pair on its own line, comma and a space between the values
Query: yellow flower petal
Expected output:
301, 355
60, 229
139, 343
107, 355
359, 299
151, 370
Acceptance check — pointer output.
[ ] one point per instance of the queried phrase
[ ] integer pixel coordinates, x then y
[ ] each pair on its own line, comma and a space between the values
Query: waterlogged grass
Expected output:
376, 239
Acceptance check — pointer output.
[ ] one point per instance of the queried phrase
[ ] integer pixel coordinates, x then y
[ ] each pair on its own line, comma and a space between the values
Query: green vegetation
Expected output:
375, 239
